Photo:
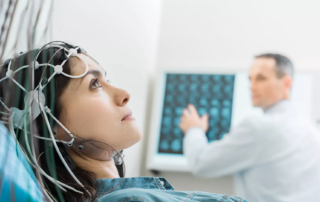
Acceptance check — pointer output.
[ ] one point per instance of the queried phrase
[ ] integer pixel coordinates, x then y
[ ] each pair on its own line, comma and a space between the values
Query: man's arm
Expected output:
238, 150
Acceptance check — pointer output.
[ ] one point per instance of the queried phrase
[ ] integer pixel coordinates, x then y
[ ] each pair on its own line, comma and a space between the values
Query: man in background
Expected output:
275, 157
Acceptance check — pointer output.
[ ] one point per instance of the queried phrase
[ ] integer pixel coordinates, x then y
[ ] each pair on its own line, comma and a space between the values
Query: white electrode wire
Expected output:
70, 53
58, 151
48, 111
35, 165
25, 134
68, 56
26, 156
22, 88
51, 178
49, 139
18, 143
26, 66
11, 126
42, 48
50, 197
5, 113
60, 124
54, 73
57, 46
46, 64
4, 78
44, 138
4, 122
23, 67
5, 118
84, 73
9, 65
48, 44
31, 111
5, 106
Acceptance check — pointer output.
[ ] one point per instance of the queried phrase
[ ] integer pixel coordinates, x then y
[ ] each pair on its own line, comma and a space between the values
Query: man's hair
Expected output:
283, 64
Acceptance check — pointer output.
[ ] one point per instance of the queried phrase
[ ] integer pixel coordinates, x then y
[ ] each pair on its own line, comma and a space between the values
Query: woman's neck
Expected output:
102, 169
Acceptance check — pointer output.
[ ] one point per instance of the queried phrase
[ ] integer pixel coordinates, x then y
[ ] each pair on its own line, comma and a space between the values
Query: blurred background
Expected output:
135, 40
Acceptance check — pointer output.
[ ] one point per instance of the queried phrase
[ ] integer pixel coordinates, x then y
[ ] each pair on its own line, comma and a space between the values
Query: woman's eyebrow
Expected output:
96, 73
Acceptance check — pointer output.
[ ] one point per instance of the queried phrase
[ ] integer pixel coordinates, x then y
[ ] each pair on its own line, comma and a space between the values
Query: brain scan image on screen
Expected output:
211, 94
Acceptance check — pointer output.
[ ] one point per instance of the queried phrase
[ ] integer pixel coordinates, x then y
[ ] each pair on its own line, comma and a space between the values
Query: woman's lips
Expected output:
128, 116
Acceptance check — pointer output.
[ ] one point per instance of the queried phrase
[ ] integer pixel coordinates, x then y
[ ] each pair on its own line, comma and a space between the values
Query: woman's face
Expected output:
95, 110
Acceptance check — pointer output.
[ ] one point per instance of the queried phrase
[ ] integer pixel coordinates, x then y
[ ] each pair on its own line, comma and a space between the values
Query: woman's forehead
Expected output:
78, 67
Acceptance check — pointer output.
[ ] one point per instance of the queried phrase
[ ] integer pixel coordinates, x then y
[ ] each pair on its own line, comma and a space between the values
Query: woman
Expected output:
90, 121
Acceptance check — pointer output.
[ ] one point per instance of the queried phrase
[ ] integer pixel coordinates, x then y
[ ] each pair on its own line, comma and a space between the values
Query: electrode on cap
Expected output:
35, 65
9, 73
73, 52
46, 108
58, 69
82, 50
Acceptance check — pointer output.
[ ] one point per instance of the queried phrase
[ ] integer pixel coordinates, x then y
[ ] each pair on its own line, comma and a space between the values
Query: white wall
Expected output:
218, 33
121, 35
227, 34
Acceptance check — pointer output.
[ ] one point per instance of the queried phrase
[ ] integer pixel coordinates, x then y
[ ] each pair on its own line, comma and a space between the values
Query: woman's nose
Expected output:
122, 97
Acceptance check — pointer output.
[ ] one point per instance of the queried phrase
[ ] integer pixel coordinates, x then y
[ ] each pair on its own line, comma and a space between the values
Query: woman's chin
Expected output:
134, 139
136, 133
137, 137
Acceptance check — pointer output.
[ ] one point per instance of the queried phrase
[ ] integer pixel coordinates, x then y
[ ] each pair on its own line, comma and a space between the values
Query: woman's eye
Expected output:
96, 84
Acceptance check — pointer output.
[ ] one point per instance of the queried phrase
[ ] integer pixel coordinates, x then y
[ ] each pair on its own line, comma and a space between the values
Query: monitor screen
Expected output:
209, 93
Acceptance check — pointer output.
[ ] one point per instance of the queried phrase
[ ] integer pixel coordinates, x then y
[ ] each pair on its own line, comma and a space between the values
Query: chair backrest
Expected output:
17, 180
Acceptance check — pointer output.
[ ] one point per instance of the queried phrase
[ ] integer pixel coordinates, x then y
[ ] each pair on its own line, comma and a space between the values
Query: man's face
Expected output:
266, 87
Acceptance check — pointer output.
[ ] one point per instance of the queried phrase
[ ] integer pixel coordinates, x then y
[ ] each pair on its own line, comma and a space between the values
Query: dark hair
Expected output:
283, 64
14, 97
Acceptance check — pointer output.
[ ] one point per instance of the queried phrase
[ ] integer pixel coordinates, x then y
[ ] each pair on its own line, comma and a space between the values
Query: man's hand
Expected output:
190, 118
